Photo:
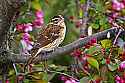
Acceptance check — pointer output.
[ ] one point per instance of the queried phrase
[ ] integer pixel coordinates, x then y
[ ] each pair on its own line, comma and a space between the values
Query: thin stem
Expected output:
83, 28
77, 7
56, 73
64, 74
120, 30
14, 66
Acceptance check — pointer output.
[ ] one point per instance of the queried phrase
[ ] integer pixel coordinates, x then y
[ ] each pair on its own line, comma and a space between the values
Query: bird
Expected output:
49, 38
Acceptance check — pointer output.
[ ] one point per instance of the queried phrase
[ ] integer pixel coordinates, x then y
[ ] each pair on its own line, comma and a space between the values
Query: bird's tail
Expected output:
32, 58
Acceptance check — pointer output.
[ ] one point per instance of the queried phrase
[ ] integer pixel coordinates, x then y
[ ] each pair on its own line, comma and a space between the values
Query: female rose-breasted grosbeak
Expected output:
50, 37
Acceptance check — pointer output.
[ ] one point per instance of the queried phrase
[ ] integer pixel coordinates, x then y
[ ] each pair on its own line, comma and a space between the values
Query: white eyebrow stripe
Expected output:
55, 18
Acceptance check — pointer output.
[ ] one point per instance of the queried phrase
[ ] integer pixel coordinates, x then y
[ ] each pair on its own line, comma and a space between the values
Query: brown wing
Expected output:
48, 35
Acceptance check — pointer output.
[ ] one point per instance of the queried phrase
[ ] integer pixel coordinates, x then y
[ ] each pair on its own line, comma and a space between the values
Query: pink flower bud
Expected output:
38, 22
117, 78
7, 81
93, 40
122, 65
39, 14
26, 36
116, 5
110, 20
71, 81
68, 81
122, 5
28, 27
19, 27
77, 53
115, 14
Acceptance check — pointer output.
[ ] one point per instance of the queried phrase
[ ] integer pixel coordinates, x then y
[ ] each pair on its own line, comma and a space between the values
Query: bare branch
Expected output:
8, 8
68, 48
83, 28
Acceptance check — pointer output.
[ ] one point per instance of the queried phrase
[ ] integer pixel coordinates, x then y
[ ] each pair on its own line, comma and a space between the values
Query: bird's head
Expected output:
57, 19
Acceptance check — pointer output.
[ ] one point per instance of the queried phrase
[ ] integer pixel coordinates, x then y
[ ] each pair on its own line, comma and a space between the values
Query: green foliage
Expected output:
93, 62
84, 80
106, 43
112, 67
36, 4
93, 50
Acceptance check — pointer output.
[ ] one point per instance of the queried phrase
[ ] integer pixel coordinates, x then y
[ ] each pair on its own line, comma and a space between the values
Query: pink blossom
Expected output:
68, 80
24, 27
27, 27
71, 81
122, 5
39, 14
29, 46
38, 22
19, 27
39, 19
117, 5
110, 20
117, 79
115, 14
76, 53
7, 81
26, 36
123, 2
122, 65
25, 45
93, 40
63, 77
26, 42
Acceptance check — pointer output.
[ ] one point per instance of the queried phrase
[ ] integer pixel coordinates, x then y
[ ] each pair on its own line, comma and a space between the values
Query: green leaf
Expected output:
84, 80
103, 61
106, 43
26, 81
61, 68
110, 77
82, 1
80, 13
25, 20
93, 49
93, 62
99, 7
112, 67
123, 11
105, 26
36, 4
51, 76
103, 21
95, 26
45, 76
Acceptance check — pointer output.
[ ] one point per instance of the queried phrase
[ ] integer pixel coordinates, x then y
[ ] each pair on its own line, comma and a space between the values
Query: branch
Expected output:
8, 9
83, 28
68, 48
